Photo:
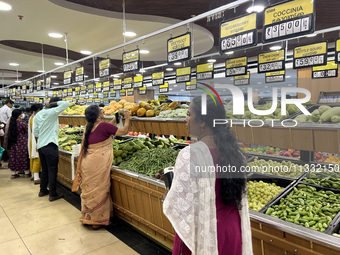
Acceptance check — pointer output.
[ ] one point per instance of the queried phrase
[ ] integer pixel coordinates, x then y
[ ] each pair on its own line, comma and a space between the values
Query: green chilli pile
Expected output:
308, 207
150, 162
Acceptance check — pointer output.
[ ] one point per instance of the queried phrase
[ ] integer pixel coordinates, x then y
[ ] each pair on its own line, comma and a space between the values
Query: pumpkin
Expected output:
147, 107
141, 112
150, 113
134, 109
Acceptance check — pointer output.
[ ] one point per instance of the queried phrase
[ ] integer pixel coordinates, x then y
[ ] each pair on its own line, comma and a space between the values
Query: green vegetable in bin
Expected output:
308, 207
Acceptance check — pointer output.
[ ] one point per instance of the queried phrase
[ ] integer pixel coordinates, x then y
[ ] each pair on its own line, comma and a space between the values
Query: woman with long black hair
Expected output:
207, 203
94, 166
17, 144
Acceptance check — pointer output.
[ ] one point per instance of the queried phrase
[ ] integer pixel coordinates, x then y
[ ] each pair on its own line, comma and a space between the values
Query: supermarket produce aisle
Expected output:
32, 225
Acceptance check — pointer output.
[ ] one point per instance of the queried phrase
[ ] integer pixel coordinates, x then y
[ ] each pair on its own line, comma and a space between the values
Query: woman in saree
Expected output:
94, 166
17, 144
207, 204
35, 164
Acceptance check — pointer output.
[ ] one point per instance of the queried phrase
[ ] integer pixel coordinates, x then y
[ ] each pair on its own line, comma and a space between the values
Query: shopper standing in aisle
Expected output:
5, 114
17, 143
94, 167
208, 209
35, 164
27, 113
46, 129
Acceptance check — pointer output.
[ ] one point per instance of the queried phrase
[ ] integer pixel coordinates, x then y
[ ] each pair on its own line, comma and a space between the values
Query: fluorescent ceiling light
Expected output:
289, 84
86, 52
142, 70
55, 83
144, 51
40, 71
169, 69
53, 76
116, 75
5, 7
275, 48
211, 60
17, 81
287, 76
55, 35
177, 63
229, 53
170, 89
86, 76
259, 82
175, 86
265, 87
115, 79
138, 74
311, 35
255, 8
59, 64
182, 89
13, 64
130, 34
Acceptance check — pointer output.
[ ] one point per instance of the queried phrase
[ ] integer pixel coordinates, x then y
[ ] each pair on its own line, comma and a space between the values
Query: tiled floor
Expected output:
32, 225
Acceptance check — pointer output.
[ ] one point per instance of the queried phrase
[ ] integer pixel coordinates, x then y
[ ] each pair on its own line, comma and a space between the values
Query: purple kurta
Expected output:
229, 236
18, 159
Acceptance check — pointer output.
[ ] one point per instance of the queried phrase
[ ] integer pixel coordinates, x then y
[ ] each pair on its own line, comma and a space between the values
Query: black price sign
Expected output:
131, 61
130, 92
158, 79
67, 77
48, 82
328, 71
89, 100
164, 88
112, 93
95, 95
337, 51
290, 19
122, 93
106, 86
183, 74
104, 68
142, 91
81, 101
79, 74
127, 83
117, 84
90, 88
97, 100
192, 85
106, 94
236, 66
242, 79
179, 48
99, 87
271, 61
106, 101
23, 89
31, 88
205, 71
273, 77
77, 91
69, 92
310, 55
238, 33
138, 81
82, 90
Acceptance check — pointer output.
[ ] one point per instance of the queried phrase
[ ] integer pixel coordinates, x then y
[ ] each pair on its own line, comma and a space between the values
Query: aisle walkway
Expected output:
32, 225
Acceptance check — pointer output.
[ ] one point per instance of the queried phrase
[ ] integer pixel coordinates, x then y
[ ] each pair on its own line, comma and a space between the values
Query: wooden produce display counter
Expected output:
137, 200
65, 168
164, 126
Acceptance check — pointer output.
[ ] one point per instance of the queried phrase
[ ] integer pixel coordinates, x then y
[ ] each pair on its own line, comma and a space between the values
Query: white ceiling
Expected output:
88, 29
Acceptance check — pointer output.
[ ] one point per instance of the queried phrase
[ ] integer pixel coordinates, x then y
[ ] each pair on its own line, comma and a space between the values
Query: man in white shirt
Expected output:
5, 114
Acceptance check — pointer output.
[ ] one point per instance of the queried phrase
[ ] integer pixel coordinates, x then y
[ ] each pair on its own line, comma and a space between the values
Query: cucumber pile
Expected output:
308, 207
326, 182
125, 151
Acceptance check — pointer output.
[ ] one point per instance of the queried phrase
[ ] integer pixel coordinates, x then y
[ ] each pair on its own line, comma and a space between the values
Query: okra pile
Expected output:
326, 182
308, 207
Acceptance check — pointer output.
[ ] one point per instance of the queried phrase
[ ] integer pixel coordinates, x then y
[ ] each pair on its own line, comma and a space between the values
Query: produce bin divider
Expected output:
335, 228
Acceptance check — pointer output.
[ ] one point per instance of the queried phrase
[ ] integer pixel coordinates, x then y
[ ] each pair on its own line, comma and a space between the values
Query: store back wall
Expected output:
316, 85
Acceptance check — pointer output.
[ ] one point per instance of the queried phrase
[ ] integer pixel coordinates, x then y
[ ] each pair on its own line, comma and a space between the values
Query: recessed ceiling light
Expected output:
13, 64
53, 76
5, 7
116, 75
40, 71
287, 76
229, 53
211, 60
55, 35
169, 69
177, 63
130, 34
259, 82
275, 48
175, 86
255, 8
17, 81
59, 64
55, 83
144, 51
86, 52
142, 70
311, 35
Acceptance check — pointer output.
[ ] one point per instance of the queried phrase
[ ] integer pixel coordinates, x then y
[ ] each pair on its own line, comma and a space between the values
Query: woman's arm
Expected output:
125, 129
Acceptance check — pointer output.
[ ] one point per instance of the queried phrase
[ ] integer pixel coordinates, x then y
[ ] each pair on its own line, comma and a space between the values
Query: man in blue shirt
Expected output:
46, 129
